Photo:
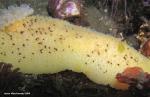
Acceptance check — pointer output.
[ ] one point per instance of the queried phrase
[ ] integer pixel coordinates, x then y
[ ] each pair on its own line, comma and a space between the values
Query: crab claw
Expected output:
135, 76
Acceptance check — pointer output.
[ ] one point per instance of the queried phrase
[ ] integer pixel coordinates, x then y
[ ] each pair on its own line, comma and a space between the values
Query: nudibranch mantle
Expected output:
38, 44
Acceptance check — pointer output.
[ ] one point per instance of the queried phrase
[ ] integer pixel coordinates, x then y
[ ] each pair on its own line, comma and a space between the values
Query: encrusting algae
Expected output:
38, 44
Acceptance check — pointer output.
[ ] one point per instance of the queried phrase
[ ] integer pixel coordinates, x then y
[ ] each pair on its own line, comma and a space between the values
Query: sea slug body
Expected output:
38, 44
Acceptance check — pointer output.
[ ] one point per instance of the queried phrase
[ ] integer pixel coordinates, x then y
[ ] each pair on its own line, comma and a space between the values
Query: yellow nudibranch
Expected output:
38, 44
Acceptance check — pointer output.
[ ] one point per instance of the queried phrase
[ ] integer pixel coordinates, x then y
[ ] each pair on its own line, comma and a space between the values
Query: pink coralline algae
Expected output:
71, 10
65, 8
